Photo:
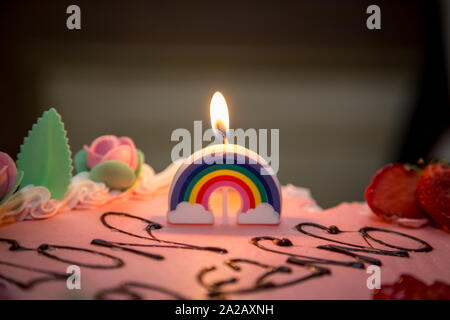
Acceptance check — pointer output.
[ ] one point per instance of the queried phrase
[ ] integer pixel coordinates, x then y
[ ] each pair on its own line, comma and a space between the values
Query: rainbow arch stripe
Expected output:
196, 180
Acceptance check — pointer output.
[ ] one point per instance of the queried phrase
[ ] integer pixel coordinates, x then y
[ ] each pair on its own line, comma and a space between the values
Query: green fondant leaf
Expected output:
45, 155
115, 174
79, 161
141, 159
16, 185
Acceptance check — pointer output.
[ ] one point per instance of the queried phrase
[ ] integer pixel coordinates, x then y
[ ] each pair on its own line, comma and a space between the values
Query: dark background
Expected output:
347, 100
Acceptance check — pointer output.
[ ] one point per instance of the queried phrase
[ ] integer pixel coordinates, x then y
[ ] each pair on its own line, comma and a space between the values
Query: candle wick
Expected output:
223, 131
225, 140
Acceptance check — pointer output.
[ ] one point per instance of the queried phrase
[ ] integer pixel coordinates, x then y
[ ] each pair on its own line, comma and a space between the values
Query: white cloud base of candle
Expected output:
262, 214
188, 213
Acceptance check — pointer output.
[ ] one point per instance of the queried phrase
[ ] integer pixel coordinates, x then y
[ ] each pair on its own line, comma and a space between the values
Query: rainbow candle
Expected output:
225, 165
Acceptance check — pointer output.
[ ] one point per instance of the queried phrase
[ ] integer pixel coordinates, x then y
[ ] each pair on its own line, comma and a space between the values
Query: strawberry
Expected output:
408, 287
433, 193
392, 193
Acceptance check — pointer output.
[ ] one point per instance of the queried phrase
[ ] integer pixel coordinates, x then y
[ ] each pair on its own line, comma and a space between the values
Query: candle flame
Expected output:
218, 110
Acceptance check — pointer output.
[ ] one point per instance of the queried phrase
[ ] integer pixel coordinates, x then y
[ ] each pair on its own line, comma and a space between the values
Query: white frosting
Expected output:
291, 191
34, 202
412, 223
152, 183
404, 222
308, 203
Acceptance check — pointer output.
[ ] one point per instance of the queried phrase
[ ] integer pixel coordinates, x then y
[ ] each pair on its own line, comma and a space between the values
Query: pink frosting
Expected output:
34, 202
8, 174
110, 147
179, 271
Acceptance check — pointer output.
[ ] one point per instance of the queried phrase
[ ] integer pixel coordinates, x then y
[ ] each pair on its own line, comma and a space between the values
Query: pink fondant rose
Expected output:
110, 147
8, 174
111, 160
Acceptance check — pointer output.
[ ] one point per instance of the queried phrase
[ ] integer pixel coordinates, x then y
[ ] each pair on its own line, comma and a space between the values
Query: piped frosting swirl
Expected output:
34, 202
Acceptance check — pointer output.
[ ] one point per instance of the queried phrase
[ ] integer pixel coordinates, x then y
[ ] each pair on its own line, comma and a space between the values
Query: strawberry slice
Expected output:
433, 193
392, 193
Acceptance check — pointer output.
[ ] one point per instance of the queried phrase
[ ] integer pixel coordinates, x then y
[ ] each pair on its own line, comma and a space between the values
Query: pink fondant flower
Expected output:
8, 174
110, 147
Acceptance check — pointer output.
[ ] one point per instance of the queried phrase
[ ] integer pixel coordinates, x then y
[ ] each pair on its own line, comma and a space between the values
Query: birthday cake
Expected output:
114, 229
